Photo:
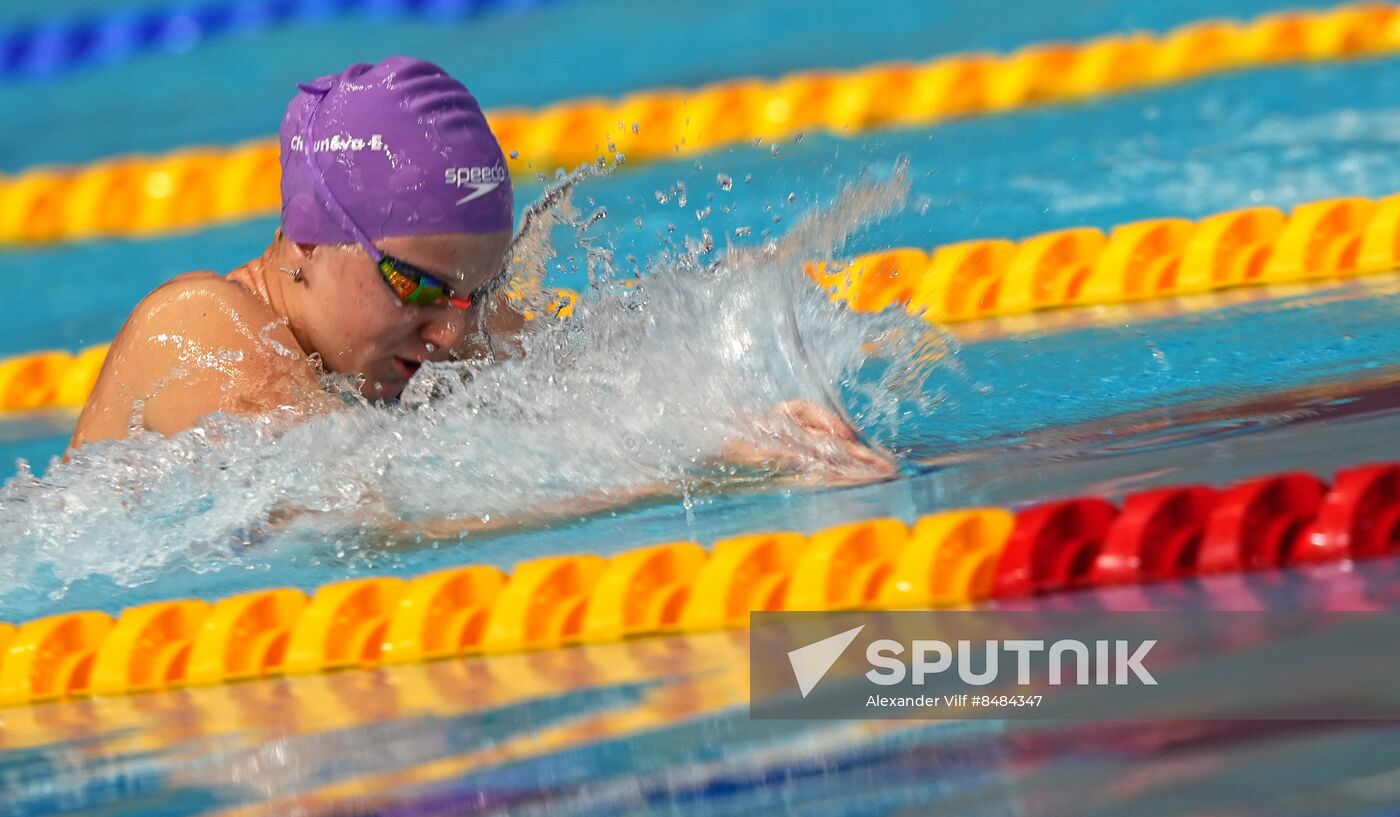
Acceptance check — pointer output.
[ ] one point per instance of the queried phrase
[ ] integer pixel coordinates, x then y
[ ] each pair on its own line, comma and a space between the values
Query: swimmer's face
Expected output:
358, 325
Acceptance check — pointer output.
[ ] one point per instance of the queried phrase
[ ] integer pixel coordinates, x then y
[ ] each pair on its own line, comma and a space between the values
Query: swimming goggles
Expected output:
412, 285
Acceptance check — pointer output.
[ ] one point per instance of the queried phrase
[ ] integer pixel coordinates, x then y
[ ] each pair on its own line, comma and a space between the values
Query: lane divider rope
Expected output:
141, 195
945, 559
1331, 239
51, 48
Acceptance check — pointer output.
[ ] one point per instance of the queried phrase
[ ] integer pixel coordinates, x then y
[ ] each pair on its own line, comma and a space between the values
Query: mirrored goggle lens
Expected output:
426, 294
419, 289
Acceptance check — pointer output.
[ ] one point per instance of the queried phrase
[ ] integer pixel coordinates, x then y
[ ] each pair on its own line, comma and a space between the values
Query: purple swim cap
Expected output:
398, 148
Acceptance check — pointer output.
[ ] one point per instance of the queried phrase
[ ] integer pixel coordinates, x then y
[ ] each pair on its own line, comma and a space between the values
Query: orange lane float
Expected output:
949, 559
1155, 259
1333, 239
195, 186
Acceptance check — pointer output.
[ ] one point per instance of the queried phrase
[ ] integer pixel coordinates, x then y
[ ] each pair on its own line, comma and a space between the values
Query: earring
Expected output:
295, 273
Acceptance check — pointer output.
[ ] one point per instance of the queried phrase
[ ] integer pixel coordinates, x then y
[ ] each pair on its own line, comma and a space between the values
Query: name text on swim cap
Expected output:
338, 142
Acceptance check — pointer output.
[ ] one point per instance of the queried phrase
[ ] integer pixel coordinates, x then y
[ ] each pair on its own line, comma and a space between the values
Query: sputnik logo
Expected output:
811, 663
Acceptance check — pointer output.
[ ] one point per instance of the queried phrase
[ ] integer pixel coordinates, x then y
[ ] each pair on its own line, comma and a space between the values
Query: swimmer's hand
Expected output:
807, 444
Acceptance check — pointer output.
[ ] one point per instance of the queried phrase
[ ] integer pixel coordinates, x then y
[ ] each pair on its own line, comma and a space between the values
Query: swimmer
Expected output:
397, 216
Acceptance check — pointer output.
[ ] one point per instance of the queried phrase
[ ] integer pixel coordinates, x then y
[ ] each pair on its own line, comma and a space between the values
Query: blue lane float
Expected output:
51, 48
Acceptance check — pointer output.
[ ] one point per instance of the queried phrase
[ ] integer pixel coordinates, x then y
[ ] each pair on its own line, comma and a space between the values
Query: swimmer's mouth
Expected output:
405, 367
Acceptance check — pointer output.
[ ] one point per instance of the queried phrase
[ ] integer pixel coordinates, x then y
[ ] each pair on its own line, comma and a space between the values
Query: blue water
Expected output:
1182, 151
1107, 401
235, 89
1279, 136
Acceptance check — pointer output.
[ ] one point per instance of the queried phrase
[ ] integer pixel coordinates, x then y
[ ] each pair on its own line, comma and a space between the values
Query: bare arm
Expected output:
198, 345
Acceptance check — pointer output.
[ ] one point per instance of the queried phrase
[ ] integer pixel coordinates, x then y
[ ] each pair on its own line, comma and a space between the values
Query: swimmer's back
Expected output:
199, 344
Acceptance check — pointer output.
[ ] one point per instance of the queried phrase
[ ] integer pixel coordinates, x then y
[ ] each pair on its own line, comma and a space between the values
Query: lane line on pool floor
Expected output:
997, 279
947, 559
140, 195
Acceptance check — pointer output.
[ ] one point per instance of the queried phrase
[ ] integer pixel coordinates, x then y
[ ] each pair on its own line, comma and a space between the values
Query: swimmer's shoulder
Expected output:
197, 344
199, 295
208, 310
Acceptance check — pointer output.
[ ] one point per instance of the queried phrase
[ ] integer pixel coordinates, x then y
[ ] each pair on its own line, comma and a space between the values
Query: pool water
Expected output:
1102, 401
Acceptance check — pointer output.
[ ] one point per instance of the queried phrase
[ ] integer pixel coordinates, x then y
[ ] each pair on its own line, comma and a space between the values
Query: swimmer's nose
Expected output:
444, 331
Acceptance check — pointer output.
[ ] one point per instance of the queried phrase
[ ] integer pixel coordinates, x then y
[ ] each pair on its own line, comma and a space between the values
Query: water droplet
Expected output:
515, 154
661, 198
725, 183
701, 215
742, 232
799, 136
792, 197
748, 177
636, 128
773, 150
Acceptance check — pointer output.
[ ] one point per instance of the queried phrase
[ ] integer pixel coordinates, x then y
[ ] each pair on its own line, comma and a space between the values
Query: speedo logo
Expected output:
479, 180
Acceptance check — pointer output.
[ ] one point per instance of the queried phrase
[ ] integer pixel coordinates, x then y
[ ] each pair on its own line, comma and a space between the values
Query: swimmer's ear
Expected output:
305, 249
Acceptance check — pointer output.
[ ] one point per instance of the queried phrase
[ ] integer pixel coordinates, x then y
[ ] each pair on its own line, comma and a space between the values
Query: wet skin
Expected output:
246, 343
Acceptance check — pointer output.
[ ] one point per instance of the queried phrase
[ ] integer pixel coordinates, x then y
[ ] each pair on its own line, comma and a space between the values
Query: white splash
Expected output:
646, 385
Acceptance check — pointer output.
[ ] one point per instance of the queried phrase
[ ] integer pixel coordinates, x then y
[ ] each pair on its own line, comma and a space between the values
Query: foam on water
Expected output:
649, 384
